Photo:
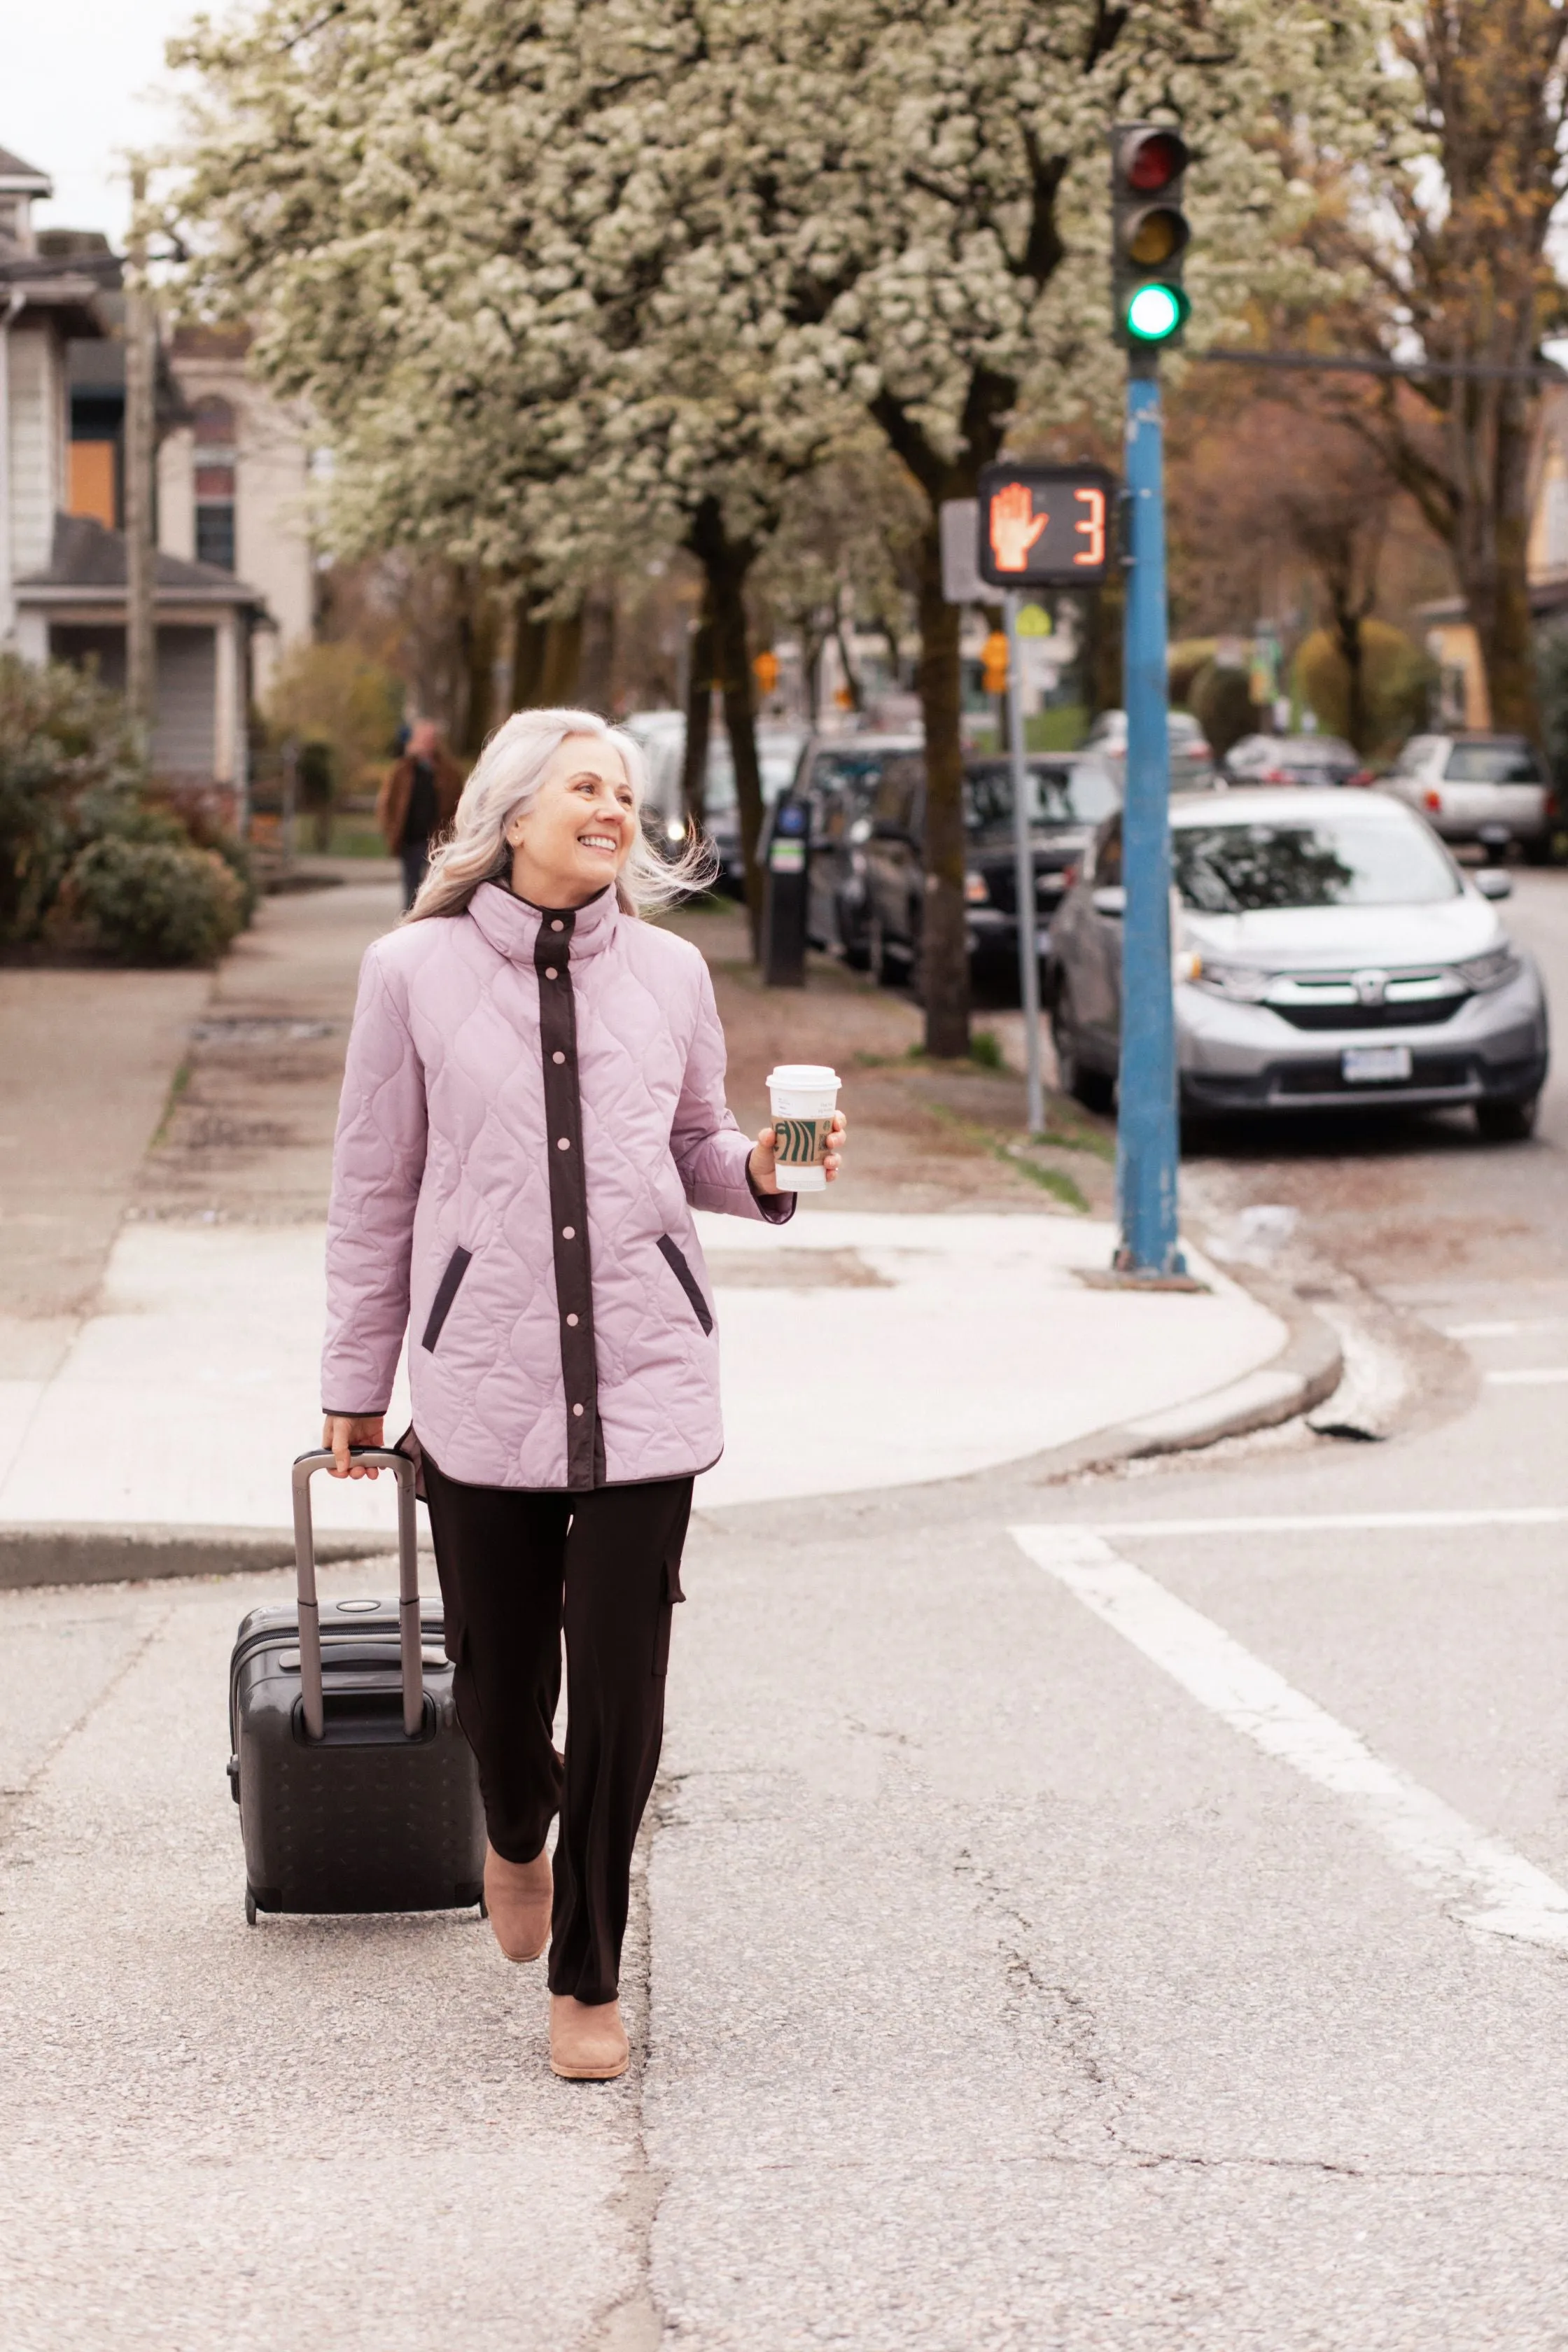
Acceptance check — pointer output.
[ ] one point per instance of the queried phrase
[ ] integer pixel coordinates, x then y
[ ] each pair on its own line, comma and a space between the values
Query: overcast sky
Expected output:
79, 86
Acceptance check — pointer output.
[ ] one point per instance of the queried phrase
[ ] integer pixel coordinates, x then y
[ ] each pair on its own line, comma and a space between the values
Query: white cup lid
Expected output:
803, 1075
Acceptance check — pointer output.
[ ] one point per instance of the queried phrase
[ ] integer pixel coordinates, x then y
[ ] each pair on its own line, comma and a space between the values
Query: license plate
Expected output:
1375, 1065
1494, 835
1042, 940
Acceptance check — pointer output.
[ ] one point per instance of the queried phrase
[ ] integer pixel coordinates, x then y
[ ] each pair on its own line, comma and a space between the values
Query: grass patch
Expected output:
1014, 1154
985, 1047
1078, 1136
177, 1086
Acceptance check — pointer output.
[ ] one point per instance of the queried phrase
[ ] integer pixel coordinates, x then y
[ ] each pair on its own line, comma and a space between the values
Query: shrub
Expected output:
69, 768
156, 901
1221, 700
1396, 683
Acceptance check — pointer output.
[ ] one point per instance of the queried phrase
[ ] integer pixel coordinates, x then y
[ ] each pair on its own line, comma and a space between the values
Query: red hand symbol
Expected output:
1015, 526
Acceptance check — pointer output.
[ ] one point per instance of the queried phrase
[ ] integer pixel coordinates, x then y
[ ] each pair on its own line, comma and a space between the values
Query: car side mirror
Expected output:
1493, 882
1110, 900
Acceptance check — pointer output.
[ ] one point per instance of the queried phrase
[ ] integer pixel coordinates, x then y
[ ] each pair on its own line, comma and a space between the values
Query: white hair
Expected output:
507, 775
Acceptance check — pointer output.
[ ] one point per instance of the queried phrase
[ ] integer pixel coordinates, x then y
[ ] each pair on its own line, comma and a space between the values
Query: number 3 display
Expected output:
1044, 525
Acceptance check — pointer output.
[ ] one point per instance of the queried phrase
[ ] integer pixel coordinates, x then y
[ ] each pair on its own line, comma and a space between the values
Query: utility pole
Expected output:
140, 334
1148, 236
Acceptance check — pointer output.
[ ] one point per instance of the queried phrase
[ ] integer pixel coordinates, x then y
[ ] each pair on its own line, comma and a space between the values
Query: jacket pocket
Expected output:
672, 1257
441, 1305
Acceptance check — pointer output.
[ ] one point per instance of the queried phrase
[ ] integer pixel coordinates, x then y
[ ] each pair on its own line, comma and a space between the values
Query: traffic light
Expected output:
766, 669
1149, 235
994, 655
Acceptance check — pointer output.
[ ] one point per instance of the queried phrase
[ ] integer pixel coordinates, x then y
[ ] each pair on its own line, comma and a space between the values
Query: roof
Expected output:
1247, 803
87, 565
23, 179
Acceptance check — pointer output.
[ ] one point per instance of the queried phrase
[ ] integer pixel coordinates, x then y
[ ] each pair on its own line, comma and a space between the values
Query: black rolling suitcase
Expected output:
356, 1789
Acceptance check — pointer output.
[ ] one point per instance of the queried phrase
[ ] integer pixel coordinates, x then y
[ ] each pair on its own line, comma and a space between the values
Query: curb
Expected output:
1308, 1368
86, 1554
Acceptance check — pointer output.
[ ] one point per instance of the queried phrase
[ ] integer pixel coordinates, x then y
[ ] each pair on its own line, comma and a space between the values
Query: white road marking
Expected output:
1502, 1330
1519, 1514
1484, 1882
1533, 1376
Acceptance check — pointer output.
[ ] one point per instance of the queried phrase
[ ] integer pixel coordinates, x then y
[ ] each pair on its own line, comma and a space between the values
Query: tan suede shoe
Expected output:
518, 1896
587, 2045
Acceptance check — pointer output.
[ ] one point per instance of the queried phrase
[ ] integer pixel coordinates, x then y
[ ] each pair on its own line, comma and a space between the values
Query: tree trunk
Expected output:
529, 639
478, 630
596, 678
725, 564
944, 950
699, 717
1103, 610
563, 660
1489, 556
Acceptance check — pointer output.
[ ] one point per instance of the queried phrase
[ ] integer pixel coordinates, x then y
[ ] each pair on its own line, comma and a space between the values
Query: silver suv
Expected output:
1492, 788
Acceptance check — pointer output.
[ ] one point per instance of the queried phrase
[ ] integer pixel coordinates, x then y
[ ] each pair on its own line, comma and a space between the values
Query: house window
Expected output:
214, 483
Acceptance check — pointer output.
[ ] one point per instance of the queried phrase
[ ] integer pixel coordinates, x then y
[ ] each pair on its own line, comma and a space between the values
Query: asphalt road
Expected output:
1125, 1914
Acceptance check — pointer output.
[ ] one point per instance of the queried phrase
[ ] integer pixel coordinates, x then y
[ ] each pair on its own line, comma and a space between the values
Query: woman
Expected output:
532, 1104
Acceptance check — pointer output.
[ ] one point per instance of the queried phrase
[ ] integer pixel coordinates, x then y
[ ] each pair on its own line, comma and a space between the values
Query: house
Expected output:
234, 573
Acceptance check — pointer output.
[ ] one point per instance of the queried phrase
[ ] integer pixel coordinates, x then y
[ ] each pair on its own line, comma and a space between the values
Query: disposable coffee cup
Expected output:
803, 1096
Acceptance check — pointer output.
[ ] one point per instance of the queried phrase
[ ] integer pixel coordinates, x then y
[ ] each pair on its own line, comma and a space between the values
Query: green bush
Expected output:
1396, 686
86, 847
1221, 700
154, 902
69, 769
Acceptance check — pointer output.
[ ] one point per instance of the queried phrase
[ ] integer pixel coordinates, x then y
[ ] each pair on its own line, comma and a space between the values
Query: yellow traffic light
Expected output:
766, 669
994, 654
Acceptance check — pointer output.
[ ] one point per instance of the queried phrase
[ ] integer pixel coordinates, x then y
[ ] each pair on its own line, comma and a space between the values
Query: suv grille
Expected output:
1423, 1014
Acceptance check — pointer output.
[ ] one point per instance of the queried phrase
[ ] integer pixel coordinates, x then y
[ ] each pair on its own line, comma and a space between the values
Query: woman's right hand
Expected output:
342, 1430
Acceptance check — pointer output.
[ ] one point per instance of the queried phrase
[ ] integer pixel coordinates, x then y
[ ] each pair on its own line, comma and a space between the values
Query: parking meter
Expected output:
785, 881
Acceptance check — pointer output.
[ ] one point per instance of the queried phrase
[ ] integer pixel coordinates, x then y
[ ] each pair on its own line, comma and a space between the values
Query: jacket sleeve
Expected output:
378, 1164
710, 1150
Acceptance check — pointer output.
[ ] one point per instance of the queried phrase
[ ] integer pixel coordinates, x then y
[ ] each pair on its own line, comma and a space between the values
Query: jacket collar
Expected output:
511, 926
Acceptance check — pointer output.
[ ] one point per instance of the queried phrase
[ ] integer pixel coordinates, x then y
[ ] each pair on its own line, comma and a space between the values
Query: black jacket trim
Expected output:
447, 1290
675, 1259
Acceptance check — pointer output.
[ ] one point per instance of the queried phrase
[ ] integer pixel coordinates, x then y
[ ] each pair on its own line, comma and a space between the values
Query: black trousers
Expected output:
416, 857
518, 1567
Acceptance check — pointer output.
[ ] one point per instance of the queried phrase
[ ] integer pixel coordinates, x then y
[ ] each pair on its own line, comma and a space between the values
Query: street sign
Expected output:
1044, 526
960, 582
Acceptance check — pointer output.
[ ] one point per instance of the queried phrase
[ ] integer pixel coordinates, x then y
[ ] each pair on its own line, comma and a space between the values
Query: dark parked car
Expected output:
1070, 795
839, 776
1294, 760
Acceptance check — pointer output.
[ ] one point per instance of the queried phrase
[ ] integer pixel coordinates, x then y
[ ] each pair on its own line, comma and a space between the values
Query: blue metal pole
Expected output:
1147, 1139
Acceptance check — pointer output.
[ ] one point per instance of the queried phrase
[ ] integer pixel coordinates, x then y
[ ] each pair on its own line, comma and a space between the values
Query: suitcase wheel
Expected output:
484, 1909
249, 1908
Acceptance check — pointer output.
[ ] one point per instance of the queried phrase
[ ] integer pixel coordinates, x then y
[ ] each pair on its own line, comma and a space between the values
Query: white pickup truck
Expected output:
1492, 788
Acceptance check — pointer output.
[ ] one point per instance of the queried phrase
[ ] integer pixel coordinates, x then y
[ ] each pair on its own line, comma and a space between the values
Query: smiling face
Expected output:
578, 829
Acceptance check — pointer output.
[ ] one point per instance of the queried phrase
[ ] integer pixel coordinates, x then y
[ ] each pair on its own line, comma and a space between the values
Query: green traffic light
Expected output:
1154, 313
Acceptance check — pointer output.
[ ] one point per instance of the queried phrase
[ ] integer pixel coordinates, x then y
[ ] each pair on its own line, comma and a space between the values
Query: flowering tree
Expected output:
564, 277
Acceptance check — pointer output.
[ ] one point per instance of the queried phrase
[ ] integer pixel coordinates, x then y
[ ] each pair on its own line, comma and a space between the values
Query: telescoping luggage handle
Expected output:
401, 1469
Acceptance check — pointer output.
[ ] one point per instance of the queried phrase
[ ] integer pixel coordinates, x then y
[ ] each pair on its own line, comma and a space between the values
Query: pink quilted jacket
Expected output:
532, 1104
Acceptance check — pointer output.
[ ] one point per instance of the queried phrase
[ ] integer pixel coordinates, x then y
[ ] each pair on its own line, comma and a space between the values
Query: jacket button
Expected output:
572, 1320
558, 1057
563, 1143
577, 1412
568, 1233
558, 925
550, 971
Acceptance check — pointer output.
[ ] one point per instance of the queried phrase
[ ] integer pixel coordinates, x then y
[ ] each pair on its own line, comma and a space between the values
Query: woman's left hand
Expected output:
761, 1161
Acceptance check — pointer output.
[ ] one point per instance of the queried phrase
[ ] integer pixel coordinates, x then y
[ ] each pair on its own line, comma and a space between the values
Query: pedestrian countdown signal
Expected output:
1044, 526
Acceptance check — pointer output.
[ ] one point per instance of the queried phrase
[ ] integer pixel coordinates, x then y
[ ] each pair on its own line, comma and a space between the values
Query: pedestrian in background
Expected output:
417, 803
533, 1104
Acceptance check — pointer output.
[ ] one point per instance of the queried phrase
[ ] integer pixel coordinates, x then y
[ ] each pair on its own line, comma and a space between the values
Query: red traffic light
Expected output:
1150, 159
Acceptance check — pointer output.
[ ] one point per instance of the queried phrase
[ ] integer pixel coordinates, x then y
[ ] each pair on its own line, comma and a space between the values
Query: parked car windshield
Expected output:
1083, 793
1240, 869
1492, 764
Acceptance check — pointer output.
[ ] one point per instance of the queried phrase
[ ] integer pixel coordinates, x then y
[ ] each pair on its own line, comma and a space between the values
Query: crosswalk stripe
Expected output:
1484, 1883
1519, 1515
1530, 1376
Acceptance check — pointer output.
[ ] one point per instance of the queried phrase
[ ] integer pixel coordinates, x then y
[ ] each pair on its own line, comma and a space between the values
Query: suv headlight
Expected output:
1481, 973
1240, 982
